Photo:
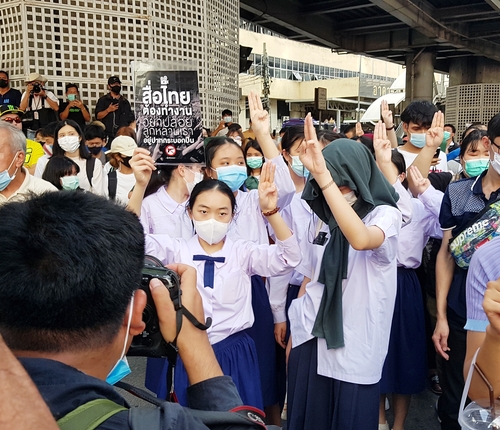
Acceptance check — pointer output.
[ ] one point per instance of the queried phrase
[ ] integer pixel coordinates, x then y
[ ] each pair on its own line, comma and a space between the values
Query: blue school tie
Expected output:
208, 274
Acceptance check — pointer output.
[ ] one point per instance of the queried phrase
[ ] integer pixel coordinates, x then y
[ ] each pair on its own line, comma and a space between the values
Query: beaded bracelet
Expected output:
276, 209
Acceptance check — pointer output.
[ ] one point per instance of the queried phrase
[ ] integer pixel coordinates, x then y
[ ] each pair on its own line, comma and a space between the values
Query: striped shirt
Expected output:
483, 268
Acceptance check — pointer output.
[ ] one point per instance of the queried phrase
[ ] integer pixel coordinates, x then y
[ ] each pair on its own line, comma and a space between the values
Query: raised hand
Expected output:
381, 144
259, 116
386, 114
142, 165
416, 182
268, 193
359, 130
435, 134
310, 151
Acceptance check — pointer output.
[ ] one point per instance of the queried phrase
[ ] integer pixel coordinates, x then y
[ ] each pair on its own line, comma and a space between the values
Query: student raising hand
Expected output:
310, 153
268, 193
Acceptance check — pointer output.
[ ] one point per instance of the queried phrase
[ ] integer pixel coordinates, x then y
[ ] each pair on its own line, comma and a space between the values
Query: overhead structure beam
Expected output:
335, 7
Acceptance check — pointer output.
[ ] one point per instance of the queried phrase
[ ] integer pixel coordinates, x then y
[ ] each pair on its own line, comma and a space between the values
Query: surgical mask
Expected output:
476, 167
350, 197
228, 119
254, 162
5, 178
4, 83
496, 162
237, 139
417, 139
198, 177
211, 230
298, 167
233, 176
446, 136
69, 143
71, 97
70, 182
122, 368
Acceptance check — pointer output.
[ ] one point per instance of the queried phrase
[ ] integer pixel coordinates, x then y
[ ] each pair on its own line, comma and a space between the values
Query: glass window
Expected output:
271, 61
316, 69
289, 64
321, 70
301, 67
283, 74
258, 59
295, 66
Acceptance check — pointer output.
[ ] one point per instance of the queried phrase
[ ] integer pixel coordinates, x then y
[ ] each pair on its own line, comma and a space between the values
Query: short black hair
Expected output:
234, 127
420, 112
82, 150
50, 129
214, 145
453, 128
93, 131
398, 160
227, 112
365, 140
347, 128
326, 137
471, 141
68, 86
292, 134
68, 286
209, 185
57, 167
5, 73
494, 127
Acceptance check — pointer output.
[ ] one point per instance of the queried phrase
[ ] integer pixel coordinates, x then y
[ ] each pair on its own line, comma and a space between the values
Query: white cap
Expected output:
122, 145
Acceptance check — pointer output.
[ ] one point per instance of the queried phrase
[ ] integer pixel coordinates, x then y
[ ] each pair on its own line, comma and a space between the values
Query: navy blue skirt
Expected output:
237, 358
319, 403
405, 367
262, 333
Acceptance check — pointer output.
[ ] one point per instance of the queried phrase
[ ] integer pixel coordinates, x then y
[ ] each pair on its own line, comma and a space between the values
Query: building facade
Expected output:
86, 41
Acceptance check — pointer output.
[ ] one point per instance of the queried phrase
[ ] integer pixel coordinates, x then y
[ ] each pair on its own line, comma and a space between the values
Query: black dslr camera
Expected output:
37, 88
150, 342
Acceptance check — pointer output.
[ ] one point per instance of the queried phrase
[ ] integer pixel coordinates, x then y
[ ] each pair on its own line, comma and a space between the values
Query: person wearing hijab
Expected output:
341, 321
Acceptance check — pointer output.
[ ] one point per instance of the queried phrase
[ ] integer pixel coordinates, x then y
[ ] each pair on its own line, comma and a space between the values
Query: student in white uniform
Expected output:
340, 327
69, 141
119, 178
405, 366
224, 270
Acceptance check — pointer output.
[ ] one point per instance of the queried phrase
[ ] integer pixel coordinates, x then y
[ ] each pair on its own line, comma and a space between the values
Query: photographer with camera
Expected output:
41, 106
70, 306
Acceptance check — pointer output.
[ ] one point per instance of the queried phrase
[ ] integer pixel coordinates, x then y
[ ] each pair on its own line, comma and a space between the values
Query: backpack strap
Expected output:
112, 184
90, 415
89, 165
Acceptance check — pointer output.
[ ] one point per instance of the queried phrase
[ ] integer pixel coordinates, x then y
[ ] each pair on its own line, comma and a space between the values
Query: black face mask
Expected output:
4, 83
95, 150
126, 161
116, 89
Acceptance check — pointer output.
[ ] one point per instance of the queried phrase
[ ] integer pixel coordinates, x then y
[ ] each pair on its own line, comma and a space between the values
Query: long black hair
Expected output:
252, 143
209, 185
59, 152
57, 167
214, 145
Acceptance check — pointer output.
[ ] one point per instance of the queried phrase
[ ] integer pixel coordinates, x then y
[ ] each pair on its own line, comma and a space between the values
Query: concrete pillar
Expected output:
419, 76
474, 70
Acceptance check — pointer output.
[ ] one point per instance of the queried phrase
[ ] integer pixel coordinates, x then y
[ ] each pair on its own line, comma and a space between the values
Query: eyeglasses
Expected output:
494, 144
16, 120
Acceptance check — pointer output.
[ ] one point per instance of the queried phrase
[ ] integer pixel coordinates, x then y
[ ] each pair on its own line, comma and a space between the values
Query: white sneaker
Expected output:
384, 426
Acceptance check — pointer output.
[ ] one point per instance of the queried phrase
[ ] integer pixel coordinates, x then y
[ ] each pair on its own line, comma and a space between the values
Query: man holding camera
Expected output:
113, 109
40, 105
70, 306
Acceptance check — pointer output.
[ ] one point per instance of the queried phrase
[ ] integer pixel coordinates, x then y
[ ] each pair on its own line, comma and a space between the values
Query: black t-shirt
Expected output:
114, 120
11, 97
75, 114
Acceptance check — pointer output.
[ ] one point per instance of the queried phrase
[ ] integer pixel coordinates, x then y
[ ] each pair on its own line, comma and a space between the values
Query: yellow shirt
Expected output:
33, 152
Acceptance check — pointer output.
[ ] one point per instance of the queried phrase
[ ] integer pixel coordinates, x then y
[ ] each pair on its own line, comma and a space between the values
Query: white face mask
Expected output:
350, 197
495, 163
211, 230
69, 143
198, 177
237, 139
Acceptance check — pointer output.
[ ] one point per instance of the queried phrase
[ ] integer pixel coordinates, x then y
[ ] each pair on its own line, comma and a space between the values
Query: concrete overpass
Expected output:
459, 37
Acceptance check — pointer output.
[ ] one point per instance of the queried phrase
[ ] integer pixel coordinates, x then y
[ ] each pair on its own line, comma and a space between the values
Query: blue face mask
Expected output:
70, 182
233, 176
298, 168
122, 368
417, 139
5, 178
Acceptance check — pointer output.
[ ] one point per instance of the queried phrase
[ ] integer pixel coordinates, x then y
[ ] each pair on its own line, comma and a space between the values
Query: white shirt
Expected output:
29, 185
298, 216
368, 296
37, 102
124, 184
161, 214
442, 166
97, 177
249, 223
229, 303
424, 224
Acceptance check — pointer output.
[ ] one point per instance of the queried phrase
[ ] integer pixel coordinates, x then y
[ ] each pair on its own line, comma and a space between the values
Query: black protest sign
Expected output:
168, 116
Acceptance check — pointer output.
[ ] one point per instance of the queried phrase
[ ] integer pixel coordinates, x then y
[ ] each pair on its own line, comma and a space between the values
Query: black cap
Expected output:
114, 80
4, 109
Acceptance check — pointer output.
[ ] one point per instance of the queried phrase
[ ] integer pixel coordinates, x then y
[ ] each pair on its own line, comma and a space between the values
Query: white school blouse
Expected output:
229, 303
368, 296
